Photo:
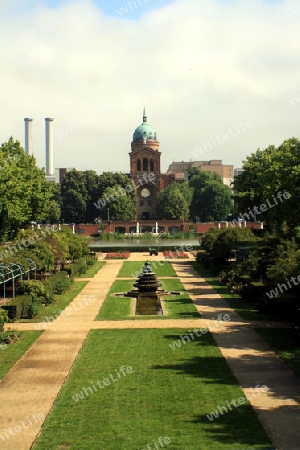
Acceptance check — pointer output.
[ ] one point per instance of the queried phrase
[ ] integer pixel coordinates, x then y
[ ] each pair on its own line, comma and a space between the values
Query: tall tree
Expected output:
211, 198
24, 192
174, 201
270, 185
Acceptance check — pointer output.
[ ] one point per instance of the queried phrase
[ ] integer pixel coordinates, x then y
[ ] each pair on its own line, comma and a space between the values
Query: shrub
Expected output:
59, 282
38, 293
3, 318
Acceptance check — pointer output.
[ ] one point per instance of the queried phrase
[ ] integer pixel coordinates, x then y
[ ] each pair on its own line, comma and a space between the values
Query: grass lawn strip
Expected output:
10, 354
91, 272
168, 393
60, 303
285, 342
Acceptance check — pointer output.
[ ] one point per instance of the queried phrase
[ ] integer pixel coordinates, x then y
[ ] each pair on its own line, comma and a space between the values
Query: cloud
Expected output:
199, 67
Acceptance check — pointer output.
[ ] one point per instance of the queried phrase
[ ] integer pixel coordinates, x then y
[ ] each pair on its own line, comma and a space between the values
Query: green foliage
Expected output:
24, 192
285, 261
37, 290
3, 318
58, 283
267, 173
211, 198
219, 242
174, 201
122, 206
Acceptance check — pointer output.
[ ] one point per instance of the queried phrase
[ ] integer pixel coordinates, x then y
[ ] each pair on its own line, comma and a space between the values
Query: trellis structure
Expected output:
13, 271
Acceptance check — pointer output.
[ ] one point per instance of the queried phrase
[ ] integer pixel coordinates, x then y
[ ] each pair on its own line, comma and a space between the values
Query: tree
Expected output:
92, 187
74, 207
174, 201
74, 196
219, 242
269, 187
122, 206
54, 212
25, 193
211, 199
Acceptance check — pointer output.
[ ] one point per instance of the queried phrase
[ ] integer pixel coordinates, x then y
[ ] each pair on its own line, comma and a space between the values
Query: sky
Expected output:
219, 78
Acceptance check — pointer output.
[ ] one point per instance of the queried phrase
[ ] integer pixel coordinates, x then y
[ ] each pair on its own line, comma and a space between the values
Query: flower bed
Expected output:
175, 254
117, 255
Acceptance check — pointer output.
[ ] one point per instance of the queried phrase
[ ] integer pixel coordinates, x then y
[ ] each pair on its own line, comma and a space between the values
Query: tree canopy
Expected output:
269, 187
174, 201
25, 194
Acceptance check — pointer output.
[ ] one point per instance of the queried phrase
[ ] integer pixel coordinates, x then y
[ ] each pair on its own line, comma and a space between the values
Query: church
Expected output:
145, 172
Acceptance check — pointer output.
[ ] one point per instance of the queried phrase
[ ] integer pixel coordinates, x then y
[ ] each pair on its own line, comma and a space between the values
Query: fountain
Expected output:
147, 292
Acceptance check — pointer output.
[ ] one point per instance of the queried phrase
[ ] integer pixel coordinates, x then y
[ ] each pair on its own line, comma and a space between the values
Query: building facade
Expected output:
145, 171
179, 169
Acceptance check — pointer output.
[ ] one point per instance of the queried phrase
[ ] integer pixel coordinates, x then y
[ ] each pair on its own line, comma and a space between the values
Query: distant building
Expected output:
179, 169
61, 172
145, 170
238, 171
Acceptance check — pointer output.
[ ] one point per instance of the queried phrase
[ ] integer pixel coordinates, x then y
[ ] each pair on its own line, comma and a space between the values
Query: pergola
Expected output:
12, 271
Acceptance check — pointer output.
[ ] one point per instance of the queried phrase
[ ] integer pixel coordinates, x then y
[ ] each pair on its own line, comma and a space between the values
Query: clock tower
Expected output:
145, 169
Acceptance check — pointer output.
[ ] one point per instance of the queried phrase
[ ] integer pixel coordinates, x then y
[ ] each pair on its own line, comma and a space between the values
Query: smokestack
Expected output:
28, 136
49, 146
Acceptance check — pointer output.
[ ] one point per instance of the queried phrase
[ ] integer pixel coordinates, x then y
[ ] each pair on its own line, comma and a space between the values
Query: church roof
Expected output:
145, 130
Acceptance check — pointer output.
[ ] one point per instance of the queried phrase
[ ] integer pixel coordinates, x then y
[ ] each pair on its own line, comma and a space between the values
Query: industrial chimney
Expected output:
49, 146
28, 136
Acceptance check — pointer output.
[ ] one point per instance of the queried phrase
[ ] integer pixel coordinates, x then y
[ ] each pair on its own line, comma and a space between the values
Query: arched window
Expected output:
145, 164
151, 165
138, 165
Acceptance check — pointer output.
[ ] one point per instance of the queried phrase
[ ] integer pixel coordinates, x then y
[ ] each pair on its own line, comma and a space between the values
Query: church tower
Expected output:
145, 169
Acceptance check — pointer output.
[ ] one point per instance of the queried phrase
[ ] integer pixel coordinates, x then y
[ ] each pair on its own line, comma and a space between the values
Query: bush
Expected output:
3, 319
77, 268
91, 259
37, 290
59, 282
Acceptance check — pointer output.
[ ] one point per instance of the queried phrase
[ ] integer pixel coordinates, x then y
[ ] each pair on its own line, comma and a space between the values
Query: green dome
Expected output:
144, 131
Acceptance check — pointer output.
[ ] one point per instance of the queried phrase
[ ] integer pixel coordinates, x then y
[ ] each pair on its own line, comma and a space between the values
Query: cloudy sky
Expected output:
220, 76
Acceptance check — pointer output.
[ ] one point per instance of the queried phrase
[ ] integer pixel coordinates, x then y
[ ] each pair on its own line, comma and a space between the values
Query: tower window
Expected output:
145, 164
151, 165
138, 165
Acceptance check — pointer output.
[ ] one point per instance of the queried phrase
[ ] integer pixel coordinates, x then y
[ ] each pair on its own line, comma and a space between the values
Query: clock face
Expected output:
145, 192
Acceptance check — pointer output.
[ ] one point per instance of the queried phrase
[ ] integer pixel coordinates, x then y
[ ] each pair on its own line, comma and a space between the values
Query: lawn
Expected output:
60, 303
177, 306
10, 354
132, 269
92, 270
285, 342
160, 393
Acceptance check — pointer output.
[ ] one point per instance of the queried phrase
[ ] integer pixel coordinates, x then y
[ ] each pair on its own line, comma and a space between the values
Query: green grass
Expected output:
92, 270
132, 269
285, 342
115, 308
248, 310
118, 308
10, 354
60, 303
168, 393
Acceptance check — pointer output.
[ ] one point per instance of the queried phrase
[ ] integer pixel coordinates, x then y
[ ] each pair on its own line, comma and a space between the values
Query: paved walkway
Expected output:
28, 391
